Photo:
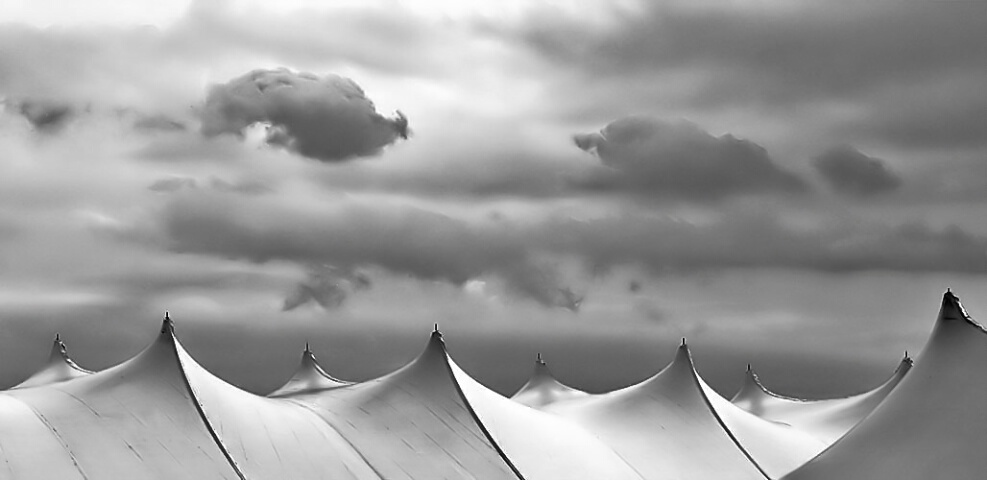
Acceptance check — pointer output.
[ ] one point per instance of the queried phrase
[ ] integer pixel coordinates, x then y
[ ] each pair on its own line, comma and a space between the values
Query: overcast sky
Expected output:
787, 183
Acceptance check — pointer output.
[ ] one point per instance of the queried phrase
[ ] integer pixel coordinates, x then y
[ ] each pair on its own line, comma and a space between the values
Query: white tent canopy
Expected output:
825, 419
933, 425
160, 415
58, 368
673, 425
542, 388
308, 377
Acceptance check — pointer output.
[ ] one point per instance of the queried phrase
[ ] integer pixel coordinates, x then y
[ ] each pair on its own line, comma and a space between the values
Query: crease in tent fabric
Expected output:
341, 436
168, 330
716, 415
61, 441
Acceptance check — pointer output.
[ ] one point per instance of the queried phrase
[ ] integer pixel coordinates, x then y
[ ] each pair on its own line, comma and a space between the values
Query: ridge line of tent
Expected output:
469, 407
168, 328
716, 415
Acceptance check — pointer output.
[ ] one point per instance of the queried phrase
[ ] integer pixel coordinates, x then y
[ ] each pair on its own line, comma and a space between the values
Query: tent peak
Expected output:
167, 325
952, 309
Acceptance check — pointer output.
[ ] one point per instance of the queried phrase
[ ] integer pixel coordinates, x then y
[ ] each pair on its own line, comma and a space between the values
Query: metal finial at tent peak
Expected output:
436, 328
307, 349
167, 325
683, 341
749, 368
906, 354
58, 338
538, 358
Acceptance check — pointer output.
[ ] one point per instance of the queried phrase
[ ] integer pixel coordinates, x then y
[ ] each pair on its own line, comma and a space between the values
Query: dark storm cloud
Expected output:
327, 118
327, 286
47, 116
433, 247
651, 157
401, 240
850, 172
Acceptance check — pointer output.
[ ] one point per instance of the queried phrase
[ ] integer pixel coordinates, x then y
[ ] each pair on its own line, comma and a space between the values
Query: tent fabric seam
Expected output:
476, 418
723, 425
201, 411
333, 428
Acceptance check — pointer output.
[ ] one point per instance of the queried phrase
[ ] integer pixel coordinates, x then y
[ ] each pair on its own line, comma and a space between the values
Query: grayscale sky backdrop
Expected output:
787, 183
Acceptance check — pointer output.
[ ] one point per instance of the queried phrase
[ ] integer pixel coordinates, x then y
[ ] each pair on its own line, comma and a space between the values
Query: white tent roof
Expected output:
58, 368
826, 419
432, 420
933, 425
308, 377
673, 425
542, 388
160, 415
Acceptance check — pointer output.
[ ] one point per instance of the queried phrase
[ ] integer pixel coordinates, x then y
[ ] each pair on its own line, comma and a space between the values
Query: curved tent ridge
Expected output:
309, 376
686, 357
131, 420
928, 427
59, 368
437, 346
542, 388
952, 310
168, 333
667, 413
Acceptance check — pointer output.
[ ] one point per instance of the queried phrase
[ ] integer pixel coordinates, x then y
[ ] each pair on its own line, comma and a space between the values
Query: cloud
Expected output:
540, 283
158, 122
327, 286
404, 241
650, 157
804, 49
758, 240
46, 116
177, 183
850, 172
326, 118
173, 184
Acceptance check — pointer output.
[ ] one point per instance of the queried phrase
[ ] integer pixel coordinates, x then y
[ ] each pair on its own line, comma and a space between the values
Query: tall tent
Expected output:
933, 425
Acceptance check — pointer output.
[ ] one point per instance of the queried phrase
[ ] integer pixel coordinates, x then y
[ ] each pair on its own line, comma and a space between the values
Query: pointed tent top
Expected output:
749, 369
167, 325
683, 341
539, 360
436, 333
58, 348
952, 309
307, 349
